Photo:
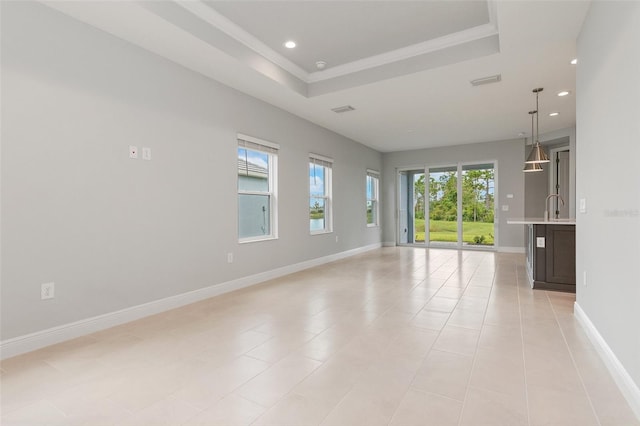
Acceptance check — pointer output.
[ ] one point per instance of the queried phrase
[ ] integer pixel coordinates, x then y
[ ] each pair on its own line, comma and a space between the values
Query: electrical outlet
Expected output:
229, 257
47, 291
336, 238
584, 278
133, 152
583, 205
146, 153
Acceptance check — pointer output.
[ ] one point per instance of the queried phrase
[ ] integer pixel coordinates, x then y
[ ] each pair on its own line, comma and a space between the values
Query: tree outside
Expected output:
477, 206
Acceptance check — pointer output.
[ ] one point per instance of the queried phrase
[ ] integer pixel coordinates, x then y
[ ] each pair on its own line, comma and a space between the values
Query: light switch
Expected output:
505, 207
146, 153
583, 205
509, 195
133, 152
540, 242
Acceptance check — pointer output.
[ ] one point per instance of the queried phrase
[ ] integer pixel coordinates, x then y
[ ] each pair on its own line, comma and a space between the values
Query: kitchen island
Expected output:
551, 253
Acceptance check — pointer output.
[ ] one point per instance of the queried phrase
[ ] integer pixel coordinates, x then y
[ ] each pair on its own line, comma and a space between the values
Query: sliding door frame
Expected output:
398, 209
459, 166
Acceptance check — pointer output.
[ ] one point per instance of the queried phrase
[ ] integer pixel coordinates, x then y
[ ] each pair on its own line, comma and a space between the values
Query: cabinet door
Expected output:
561, 254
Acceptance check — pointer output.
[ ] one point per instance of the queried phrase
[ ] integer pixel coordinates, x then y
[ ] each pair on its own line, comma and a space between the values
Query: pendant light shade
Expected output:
538, 154
531, 167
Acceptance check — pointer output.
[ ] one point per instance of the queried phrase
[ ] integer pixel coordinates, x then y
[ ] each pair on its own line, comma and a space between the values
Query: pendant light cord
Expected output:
532, 134
537, 119
537, 112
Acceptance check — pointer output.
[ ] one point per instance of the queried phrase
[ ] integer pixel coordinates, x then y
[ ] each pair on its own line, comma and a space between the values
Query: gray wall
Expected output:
536, 188
510, 180
608, 148
114, 232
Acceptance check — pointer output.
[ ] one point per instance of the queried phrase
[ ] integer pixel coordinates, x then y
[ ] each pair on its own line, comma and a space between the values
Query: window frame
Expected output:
251, 143
376, 197
327, 164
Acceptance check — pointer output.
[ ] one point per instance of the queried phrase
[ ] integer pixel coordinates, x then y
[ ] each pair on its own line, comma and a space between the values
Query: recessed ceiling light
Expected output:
290, 44
574, 61
553, 114
563, 93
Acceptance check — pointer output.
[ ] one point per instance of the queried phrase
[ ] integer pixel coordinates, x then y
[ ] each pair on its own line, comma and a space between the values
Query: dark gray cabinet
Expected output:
551, 254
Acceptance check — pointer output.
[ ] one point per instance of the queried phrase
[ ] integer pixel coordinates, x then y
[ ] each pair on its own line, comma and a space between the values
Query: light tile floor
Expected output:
395, 336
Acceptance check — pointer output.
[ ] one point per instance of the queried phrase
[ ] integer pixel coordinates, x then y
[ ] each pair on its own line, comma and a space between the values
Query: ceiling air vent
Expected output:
342, 109
486, 80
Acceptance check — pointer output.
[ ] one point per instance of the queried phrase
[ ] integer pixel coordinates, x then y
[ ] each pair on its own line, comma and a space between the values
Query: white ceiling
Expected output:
342, 32
404, 66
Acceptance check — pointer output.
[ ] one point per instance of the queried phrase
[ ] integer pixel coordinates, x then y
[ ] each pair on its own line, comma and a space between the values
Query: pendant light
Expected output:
531, 167
537, 154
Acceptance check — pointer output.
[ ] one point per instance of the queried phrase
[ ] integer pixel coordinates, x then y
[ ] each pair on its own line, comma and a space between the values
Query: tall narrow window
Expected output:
320, 194
257, 171
373, 179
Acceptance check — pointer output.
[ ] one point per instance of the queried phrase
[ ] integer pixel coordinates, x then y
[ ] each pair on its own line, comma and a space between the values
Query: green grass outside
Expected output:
443, 231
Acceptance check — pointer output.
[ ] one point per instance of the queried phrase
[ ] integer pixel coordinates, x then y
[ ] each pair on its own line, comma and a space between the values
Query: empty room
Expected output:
293, 213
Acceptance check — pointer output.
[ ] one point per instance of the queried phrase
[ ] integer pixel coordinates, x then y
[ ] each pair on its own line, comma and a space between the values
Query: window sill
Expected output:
257, 239
320, 232
372, 225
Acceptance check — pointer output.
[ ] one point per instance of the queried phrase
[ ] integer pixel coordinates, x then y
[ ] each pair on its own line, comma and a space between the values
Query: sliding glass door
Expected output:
411, 223
443, 206
460, 207
478, 199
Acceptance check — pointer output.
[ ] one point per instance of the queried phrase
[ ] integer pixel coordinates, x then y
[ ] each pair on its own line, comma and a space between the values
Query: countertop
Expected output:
540, 221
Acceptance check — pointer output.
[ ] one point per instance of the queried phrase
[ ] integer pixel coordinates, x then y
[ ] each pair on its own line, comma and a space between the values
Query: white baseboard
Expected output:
389, 244
511, 250
30, 342
622, 378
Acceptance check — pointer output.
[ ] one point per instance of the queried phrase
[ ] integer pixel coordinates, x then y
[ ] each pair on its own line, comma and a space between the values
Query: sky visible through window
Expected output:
257, 158
370, 187
316, 180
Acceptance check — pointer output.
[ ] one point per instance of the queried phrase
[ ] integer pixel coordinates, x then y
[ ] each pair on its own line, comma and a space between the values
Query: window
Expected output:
319, 194
257, 208
373, 179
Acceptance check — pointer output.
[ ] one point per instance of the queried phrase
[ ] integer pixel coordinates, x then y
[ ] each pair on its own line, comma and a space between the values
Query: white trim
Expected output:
217, 20
389, 244
511, 250
429, 46
222, 23
620, 375
492, 5
375, 201
272, 193
327, 163
553, 178
320, 157
258, 141
257, 239
30, 342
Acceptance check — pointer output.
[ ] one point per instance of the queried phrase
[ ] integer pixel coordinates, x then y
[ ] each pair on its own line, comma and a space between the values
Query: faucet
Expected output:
546, 205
